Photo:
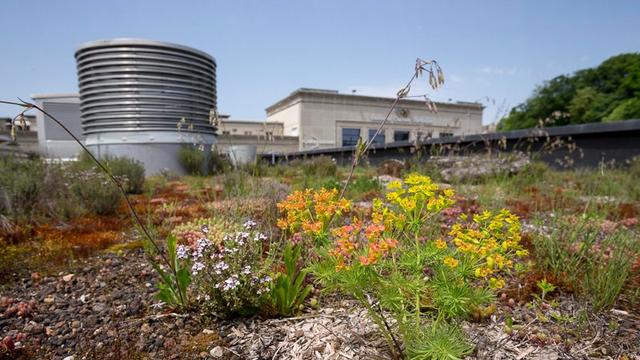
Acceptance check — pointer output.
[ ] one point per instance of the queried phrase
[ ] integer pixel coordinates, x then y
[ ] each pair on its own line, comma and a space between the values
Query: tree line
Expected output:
608, 92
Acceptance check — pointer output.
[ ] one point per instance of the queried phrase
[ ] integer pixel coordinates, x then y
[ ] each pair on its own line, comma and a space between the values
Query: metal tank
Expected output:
145, 100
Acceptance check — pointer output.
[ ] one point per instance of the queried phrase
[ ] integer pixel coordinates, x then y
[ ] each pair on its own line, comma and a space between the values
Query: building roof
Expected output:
251, 122
69, 97
334, 93
143, 42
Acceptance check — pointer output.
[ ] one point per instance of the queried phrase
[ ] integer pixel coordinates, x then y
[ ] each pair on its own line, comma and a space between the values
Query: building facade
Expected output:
53, 141
306, 119
267, 137
261, 129
327, 119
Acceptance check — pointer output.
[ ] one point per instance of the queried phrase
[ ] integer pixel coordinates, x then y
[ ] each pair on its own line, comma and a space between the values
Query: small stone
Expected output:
7, 343
34, 328
134, 309
145, 328
217, 352
49, 331
208, 331
99, 307
49, 299
169, 344
70, 357
35, 277
68, 277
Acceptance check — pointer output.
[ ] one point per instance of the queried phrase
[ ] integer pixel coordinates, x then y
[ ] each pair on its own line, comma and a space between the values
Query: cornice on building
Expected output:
336, 97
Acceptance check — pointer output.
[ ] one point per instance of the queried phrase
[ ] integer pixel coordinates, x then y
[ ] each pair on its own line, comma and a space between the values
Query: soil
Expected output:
105, 308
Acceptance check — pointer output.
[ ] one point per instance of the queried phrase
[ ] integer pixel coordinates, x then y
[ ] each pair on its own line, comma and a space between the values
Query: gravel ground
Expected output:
105, 309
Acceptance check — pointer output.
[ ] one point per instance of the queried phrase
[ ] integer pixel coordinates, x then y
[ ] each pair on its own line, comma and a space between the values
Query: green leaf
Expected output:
171, 250
184, 279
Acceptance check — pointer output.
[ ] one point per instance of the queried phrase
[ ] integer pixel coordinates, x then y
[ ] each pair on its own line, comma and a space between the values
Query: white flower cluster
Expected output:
201, 245
246, 270
250, 224
182, 252
220, 267
230, 283
197, 267
229, 274
240, 238
264, 281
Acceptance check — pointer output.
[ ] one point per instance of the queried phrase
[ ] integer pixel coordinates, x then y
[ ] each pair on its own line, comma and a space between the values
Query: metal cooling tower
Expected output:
145, 99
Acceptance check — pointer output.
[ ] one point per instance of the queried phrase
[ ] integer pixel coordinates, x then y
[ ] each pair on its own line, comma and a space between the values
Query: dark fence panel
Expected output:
585, 145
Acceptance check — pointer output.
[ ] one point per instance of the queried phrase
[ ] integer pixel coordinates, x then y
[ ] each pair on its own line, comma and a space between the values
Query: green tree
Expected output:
628, 109
608, 92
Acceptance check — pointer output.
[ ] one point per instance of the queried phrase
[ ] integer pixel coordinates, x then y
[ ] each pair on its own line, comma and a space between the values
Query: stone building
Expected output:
267, 137
53, 141
306, 119
327, 118
261, 129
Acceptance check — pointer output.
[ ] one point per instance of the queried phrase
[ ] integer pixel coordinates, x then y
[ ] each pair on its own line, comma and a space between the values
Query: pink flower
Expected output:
296, 238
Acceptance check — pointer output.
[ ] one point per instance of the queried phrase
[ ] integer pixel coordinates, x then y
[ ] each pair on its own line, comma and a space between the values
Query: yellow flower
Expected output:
496, 283
440, 244
450, 262
490, 261
394, 185
482, 272
408, 204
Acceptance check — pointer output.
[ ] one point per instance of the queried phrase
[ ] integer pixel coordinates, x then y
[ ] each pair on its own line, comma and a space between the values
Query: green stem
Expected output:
417, 309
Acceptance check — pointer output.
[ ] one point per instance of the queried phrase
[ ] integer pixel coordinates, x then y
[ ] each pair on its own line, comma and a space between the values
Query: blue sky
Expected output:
490, 51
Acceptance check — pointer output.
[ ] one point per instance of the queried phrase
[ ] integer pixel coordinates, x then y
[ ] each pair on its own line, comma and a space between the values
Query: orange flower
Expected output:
373, 231
282, 224
314, 227
392, 243
311, 210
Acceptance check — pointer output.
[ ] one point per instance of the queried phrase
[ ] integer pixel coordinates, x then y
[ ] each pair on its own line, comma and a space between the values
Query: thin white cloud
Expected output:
496, 70
456, 78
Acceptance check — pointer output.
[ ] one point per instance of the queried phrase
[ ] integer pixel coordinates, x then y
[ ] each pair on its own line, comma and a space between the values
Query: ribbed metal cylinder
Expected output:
129, 85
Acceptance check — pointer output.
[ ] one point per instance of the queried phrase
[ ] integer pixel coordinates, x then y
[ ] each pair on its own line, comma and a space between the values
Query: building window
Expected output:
379, 138
350, 136
400, 135
247, 132
225, 132
445, 134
